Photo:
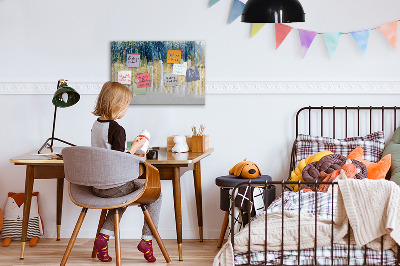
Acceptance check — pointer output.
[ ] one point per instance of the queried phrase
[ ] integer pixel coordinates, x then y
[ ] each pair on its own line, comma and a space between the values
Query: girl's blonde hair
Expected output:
112, 99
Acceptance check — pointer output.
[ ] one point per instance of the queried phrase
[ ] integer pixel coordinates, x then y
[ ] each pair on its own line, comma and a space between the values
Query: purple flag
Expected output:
306, 39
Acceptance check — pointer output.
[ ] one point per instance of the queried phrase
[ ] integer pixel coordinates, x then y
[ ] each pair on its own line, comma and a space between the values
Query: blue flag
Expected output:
237, 9
361, 38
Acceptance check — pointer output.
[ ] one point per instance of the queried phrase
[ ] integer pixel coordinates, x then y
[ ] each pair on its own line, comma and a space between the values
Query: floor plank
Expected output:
49, 252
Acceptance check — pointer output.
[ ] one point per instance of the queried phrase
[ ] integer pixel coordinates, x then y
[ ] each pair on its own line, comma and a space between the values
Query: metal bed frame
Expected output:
283, 184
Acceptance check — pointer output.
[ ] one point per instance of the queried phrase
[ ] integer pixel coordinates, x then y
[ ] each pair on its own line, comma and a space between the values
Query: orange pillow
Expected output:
375, 170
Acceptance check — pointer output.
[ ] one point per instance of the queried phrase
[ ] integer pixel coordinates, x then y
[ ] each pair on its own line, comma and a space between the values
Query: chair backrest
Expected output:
92, 166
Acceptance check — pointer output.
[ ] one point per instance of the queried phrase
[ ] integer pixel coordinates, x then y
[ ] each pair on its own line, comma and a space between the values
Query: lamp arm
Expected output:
54, 118
54, 126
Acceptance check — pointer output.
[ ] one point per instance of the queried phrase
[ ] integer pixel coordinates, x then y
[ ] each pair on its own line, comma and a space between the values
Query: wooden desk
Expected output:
171, 167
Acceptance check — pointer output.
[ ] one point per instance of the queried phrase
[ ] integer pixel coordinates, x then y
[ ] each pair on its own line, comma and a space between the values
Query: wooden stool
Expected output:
226, 183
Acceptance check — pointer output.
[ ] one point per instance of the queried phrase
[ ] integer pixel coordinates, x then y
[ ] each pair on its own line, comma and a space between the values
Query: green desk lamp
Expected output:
65, 96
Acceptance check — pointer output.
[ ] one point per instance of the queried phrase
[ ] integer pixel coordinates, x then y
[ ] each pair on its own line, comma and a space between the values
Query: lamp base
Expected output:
50, 146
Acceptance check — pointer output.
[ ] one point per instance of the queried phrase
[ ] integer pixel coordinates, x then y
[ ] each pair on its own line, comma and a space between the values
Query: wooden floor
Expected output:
50, 252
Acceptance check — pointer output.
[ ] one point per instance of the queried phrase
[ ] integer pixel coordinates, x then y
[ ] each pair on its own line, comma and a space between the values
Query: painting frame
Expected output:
161, 72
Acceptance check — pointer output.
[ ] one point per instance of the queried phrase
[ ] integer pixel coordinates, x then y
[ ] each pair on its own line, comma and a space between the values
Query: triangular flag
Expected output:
361, 37
390, 32
281, 31
332, 41
306, 39
255, 28
213, 2
237, 9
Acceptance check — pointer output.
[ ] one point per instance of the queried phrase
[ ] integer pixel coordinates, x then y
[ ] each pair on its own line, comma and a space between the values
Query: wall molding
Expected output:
231, 87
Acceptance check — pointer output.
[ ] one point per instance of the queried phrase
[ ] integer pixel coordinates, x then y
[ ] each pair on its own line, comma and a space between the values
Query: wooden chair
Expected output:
85, 167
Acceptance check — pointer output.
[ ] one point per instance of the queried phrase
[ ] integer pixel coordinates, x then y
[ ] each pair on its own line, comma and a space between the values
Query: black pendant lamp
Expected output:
273, 11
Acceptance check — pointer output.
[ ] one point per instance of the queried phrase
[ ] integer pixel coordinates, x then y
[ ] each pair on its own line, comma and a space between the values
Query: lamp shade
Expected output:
273, 11
65, 96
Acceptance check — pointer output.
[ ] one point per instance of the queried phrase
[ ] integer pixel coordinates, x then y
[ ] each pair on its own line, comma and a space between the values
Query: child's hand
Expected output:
137, 144
143, 155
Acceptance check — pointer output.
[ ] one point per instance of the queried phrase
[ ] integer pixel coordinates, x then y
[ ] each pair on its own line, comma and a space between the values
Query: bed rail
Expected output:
336, 122
342, 119
265, 185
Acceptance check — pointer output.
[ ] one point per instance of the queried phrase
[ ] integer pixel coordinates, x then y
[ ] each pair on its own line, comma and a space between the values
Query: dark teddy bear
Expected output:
320, 169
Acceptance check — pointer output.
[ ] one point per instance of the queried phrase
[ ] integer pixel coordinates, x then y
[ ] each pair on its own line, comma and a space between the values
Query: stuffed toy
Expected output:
13, 215
348, 170
180, 144
375, 170
296, 174
245, 169
328, 164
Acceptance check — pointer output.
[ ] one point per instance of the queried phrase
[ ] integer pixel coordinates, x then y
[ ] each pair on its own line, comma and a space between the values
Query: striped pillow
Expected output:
372, 145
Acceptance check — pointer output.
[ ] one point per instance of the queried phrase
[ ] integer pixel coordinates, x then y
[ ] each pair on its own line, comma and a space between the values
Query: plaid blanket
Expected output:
324, 257
323, 205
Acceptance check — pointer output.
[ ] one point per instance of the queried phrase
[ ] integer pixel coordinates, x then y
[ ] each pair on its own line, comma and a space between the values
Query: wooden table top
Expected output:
164, 157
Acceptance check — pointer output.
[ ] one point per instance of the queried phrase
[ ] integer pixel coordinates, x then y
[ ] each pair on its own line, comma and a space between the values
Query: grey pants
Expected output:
153, 208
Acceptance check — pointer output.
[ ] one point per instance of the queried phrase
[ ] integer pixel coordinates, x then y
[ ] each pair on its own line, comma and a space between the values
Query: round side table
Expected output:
228, 182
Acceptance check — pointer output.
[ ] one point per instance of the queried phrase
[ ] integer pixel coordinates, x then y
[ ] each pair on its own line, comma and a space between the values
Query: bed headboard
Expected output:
344, 121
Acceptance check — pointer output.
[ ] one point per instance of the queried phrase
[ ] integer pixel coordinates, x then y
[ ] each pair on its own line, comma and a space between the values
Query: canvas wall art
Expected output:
160, 72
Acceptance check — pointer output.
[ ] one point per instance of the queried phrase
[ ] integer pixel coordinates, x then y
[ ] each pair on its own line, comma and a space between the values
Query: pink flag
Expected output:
281, 31
389, 30
306, 39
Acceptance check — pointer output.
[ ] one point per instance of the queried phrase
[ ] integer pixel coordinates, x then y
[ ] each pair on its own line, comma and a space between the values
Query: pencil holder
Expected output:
200, 143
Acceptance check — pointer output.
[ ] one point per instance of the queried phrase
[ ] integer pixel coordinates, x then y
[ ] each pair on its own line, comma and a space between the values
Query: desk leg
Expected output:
60, 190
176, 182
197, 189
27, 206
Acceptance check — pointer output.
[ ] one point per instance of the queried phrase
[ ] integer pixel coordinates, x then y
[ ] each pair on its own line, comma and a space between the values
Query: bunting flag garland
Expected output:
281, 31
237, 9
389, 30
256, 27
306, 39
332, 41
361, 37
213, 2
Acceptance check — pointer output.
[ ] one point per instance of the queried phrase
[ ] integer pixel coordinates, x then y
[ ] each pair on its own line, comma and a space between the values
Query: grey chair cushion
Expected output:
83, 196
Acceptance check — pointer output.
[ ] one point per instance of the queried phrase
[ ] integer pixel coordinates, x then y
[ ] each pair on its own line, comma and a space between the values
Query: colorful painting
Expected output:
160, 70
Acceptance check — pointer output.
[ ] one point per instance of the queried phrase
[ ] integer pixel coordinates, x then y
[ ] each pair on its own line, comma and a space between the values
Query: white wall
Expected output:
42, 41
